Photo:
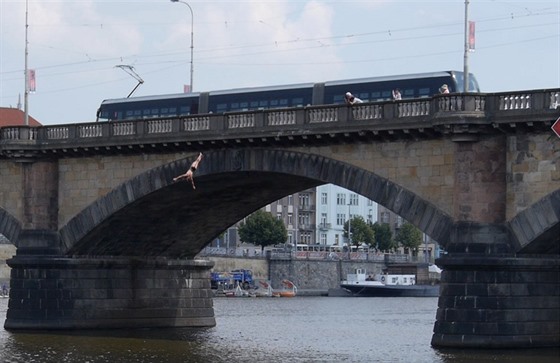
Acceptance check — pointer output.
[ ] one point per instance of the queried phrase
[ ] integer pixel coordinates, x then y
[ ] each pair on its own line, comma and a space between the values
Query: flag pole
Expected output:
26, 93
466, 57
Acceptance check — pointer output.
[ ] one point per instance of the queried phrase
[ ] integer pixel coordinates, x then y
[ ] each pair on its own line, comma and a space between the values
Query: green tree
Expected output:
409, 236
262, 229
383, 237
361, 232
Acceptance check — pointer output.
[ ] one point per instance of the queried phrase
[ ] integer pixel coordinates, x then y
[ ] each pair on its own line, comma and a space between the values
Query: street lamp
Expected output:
192, 39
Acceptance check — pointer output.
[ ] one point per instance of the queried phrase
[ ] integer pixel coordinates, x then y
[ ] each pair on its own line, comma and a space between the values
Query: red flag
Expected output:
471, 36
31, 79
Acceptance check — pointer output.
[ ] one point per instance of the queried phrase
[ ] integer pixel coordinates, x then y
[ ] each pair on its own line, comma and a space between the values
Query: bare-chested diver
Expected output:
189, 175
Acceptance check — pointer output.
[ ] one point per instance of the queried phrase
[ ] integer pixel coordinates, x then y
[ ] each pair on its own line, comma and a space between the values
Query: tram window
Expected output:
263, 103
244, 105
338, 99
234, 106
386, 94
364, 96
283, 102
297, 101
172, 110
185, 110
145, 113
424, 92
274, 103
375, 95
408, 92
221, 107
164, 111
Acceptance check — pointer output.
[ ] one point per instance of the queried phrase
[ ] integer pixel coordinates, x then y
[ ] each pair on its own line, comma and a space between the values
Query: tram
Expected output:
296, 95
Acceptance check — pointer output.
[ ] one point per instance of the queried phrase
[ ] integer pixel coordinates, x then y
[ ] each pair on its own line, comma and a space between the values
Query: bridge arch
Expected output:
10, 227
536, 230
161, 218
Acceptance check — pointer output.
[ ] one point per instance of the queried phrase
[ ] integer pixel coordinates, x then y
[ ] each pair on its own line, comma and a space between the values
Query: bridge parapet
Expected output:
455, 114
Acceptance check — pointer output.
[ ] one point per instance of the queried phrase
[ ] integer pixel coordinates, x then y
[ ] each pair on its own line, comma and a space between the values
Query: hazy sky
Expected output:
75, 46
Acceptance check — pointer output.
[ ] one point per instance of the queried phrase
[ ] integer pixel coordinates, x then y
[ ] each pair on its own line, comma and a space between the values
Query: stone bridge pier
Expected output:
498, 302
51, 292
500, 285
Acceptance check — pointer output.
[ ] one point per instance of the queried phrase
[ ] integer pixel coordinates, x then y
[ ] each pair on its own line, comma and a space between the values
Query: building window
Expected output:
324, 219
324, 198
303, 219
340, 219
279, 216
369, 202
340, 199
290, 219
304, 199
323, 238
290, 199
353, 199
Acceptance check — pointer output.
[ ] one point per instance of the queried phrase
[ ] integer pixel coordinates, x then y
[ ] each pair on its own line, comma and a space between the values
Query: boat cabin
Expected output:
396, 279
360, 277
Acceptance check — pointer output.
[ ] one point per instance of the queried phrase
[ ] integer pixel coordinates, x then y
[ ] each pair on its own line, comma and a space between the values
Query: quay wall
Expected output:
305, 274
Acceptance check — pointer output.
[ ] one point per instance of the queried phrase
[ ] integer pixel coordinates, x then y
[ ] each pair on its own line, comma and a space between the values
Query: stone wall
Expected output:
84, 180
11, 193
424, 167
533, 169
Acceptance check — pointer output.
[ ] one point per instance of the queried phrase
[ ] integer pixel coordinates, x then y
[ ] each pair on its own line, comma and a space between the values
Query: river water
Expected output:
268, 330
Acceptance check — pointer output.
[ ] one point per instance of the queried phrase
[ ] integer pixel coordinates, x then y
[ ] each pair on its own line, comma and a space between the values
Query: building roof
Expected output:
15, 117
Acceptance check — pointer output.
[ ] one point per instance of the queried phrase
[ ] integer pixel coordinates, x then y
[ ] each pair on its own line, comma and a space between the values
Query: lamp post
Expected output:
349, 230
192, 39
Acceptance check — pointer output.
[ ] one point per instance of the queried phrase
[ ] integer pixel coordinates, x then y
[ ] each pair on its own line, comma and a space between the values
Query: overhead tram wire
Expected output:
379, 32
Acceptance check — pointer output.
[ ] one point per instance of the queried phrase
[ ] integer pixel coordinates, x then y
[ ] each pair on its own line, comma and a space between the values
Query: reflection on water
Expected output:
301, 329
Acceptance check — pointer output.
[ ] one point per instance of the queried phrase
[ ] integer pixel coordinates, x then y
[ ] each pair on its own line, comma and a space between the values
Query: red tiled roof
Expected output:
15, 117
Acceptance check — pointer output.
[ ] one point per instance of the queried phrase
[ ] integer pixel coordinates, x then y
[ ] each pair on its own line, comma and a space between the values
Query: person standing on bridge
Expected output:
351, 99
189, 175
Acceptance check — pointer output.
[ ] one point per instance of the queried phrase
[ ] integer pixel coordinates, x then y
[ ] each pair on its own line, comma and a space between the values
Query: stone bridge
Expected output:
105, 238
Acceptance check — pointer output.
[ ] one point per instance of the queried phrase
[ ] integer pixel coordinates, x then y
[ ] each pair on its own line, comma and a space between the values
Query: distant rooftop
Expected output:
15, 117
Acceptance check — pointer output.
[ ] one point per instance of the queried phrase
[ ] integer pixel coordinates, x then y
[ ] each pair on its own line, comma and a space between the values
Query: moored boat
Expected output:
386, 285
289, 289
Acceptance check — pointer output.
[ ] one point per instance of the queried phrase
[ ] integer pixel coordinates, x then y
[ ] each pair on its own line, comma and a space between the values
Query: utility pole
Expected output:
26, 93
466, 56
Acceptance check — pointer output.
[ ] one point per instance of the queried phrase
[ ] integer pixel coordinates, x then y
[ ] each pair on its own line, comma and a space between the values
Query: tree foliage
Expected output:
383, 237
409, 236
262, 229
362, 233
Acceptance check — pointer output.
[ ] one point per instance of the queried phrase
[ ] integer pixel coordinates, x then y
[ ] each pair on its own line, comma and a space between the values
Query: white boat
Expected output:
386, 285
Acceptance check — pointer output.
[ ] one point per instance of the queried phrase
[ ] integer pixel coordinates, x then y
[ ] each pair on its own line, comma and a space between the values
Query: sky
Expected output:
77, 47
